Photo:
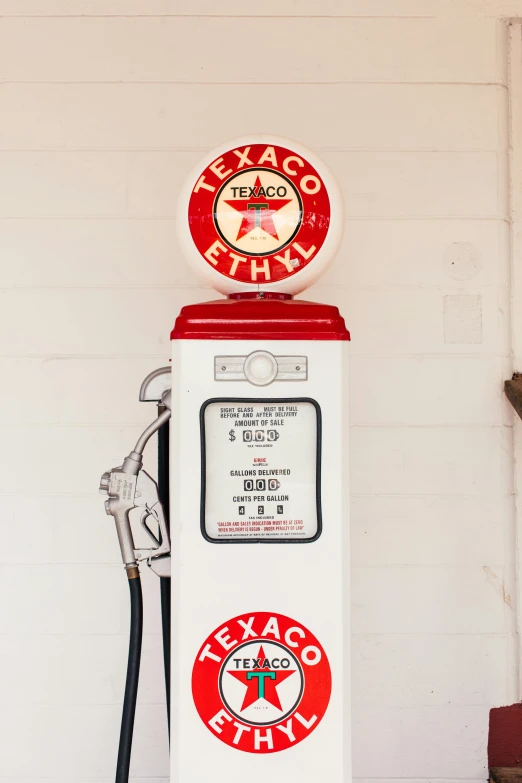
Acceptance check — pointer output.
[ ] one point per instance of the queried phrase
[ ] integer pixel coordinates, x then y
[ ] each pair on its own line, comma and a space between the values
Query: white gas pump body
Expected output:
212, 582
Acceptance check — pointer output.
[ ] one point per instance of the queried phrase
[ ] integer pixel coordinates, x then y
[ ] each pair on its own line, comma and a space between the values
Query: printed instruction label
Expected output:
260, 470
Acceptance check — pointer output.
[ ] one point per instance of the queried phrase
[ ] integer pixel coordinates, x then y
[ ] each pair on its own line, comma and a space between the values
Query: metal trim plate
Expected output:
289, 368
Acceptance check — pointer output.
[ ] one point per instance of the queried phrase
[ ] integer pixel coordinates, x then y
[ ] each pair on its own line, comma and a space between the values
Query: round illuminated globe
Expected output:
260, 213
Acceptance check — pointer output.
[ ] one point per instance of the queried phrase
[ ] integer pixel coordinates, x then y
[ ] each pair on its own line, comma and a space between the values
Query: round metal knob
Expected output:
260, 368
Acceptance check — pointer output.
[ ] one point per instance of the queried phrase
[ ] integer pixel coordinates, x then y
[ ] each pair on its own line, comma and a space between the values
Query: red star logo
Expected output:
258, 211
261, 681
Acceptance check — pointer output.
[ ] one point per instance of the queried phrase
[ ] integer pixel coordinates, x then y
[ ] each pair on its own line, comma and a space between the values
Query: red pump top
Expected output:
259, 315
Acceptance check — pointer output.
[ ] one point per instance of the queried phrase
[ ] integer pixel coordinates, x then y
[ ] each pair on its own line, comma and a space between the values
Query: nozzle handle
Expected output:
120, 511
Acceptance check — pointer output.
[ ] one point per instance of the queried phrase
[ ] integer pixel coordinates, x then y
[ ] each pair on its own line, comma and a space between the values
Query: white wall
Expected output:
104, 107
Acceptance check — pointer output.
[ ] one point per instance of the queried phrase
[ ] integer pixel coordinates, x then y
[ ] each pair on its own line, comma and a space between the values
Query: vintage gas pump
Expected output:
257, 547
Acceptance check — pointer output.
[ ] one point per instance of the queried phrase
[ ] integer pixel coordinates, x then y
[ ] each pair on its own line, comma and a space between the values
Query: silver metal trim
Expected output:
289, 368
155, 385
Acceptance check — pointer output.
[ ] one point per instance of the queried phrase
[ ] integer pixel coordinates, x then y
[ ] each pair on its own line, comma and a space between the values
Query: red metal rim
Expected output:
256, 317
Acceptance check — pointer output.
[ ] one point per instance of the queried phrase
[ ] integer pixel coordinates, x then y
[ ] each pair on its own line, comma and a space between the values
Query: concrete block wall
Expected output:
105, 107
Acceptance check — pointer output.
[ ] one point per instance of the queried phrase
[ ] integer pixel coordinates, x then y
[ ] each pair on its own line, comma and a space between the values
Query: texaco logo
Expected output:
261, 682
259, 214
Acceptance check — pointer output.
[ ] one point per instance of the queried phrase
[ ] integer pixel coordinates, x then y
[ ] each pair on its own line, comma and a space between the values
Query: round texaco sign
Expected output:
262, 213
261, 682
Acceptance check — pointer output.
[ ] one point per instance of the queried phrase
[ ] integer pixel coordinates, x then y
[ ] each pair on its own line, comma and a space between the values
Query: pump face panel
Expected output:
283, 599
262, 212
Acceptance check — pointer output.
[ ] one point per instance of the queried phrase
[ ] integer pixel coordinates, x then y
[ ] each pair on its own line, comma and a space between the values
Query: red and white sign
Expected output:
261, 682
258, 214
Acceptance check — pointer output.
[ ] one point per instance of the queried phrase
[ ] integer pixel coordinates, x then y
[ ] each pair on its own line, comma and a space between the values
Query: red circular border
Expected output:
312, 231
205, 677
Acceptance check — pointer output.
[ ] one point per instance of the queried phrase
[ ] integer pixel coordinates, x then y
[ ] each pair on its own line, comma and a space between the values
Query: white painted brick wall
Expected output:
105, 105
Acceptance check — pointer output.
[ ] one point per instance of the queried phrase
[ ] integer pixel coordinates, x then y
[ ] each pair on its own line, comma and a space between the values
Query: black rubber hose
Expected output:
165, 584
133, 675
165, 620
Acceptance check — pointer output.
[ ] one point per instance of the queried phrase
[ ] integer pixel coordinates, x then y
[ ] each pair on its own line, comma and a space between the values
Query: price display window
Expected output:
261, 470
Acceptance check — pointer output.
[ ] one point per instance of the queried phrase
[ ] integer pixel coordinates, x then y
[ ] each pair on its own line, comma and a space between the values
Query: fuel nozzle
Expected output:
130, 487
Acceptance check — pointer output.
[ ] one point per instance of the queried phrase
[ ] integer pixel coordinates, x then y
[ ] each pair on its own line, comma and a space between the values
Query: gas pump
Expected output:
254, 550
